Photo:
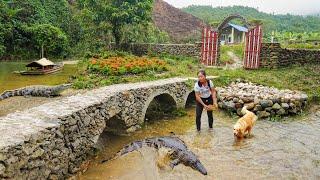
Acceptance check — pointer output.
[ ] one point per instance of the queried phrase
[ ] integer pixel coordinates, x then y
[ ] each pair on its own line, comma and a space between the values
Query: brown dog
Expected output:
245, 124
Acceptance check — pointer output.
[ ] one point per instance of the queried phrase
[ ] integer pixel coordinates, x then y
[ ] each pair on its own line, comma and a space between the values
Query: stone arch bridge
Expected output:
52, 140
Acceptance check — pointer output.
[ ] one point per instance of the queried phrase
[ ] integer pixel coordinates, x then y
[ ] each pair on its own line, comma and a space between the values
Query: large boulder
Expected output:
230, 106
263, 114
266, 103
281, 112
276, 106
257, 108
285, 105
249, 106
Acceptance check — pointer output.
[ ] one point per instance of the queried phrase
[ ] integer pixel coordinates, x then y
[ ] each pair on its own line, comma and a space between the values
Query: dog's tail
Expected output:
255, 119
244, 110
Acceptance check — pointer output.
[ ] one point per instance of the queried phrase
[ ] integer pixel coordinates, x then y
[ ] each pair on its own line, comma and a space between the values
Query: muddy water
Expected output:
277, 150
10, 80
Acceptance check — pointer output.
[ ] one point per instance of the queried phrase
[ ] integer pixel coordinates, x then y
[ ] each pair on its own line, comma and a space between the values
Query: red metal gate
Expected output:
253, 47
209, 49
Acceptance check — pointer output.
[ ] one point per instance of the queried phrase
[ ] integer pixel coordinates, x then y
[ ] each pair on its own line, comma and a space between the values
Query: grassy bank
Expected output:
302, 46
303, 78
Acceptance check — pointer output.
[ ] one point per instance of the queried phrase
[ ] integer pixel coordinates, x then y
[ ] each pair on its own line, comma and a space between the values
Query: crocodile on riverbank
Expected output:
39, 90
180, 152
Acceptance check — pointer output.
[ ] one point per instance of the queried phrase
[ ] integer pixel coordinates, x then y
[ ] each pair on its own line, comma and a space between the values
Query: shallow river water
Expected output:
10, 80
289, 149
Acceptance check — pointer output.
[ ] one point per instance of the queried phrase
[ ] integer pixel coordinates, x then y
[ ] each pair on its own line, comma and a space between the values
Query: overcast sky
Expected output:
277, 6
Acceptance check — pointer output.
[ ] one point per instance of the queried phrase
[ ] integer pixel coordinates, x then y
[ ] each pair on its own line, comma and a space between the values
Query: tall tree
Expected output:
116, 14
48, 37
121, 13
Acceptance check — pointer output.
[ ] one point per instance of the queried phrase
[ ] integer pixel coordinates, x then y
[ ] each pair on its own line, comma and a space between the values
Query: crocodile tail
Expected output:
17, 92
150, 142
131, 147
6, 94
127, 149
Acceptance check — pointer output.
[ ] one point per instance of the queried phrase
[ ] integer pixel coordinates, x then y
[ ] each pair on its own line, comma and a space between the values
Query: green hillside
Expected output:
281, 23
64, 29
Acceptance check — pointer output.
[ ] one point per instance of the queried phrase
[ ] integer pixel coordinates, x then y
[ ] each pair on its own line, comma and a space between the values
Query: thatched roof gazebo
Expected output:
42, 66
40, 63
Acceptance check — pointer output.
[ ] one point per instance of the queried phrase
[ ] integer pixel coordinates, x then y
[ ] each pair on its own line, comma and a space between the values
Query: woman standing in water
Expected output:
205, 95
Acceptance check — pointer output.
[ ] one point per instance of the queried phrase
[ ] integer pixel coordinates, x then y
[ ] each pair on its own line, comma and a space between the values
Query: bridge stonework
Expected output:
52, 140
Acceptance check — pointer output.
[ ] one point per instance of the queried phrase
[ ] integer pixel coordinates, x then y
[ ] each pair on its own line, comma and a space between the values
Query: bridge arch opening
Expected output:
191, 100
115, 125
160, 106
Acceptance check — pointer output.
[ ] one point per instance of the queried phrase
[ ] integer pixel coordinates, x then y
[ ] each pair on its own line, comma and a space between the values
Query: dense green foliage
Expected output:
69, 29
302, 46
114, 15
49, 38
22, 21
305, 40
271, 22
62, 29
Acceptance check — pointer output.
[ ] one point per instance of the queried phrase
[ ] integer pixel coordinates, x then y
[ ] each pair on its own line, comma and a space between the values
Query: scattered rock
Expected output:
238, 105
263, 114
247, 99
235, 100
266, 103
293, 111
281, 112
230, 106
297, 103
250, 106
2, 168
304, 97
256, 101
257, 108
276, 100
292, 105
285, 105
276, 106
268, 109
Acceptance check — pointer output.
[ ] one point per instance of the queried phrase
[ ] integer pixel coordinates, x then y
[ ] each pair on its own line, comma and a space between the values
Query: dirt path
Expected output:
237, 61
70, 62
